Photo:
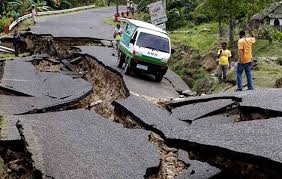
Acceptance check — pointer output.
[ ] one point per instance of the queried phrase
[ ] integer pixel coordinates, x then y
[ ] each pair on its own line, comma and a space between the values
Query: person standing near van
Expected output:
245, 59
128, 5
17, 42
117, 34
224, 59
131, 6
34, 14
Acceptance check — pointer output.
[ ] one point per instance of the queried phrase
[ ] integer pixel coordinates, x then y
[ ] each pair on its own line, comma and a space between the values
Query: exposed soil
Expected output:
47, 66
108, 86
170, 165
57, 47
15, 162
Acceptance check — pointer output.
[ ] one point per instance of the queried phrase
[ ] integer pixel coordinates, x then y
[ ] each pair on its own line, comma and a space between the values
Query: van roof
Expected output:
146, 25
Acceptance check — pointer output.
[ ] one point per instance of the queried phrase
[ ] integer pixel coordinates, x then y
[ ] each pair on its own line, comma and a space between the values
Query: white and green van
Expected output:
144, 47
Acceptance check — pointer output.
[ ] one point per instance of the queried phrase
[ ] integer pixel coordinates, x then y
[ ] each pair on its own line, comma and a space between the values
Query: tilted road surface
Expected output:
237, 132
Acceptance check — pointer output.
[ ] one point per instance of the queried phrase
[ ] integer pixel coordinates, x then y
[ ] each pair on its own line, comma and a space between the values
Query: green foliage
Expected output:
176, 19
262, 48
266, 32
202, 37
267, 74
200, 18
278, 36
4, 22
279, 61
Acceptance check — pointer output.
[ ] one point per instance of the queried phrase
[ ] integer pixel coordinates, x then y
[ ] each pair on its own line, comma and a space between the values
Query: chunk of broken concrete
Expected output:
82, 144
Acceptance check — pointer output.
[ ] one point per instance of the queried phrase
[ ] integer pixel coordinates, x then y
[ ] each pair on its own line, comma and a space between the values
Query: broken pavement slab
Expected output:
192, 112
82, 144
256, 144
196, 169
11, 105
20, 76
236, 145
148, 115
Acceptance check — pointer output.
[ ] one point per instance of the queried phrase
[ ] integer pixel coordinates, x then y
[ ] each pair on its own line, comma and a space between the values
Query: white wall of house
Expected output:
272, 21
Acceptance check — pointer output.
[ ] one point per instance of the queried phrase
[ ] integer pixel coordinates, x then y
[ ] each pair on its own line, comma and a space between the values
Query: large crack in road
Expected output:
108, 85
220, 129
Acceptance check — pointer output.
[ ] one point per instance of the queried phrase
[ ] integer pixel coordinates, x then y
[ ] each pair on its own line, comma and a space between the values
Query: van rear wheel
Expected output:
158, 77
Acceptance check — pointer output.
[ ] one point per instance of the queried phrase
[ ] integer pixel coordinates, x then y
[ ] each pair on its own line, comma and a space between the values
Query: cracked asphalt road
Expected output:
142, 85
81, 134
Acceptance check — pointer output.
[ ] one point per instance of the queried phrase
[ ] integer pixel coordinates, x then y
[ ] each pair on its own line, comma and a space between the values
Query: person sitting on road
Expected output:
117, 34
224, 59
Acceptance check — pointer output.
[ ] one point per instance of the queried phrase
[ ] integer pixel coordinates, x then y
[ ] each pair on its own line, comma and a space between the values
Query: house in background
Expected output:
271, 15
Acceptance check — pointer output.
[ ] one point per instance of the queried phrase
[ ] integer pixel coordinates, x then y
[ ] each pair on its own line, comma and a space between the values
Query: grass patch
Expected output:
6, 55
111, 22
267, 74
262, 48
202, 37
264, 77
22, 26
3, 126
3, 169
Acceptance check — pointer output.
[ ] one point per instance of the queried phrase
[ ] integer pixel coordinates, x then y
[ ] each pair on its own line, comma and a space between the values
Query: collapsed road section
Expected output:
44, 84
219, 134
221, 130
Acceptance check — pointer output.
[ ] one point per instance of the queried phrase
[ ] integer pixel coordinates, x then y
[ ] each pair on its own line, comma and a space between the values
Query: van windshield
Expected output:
153, 42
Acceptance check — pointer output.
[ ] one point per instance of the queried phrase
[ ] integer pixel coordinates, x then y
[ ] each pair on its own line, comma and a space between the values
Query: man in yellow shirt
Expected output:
245, 60
224, 58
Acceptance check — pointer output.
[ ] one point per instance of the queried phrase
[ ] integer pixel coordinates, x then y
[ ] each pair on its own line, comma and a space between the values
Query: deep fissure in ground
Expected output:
108, 85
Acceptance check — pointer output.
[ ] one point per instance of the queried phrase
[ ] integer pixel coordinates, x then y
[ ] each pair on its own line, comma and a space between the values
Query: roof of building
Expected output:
146, 25
268, 12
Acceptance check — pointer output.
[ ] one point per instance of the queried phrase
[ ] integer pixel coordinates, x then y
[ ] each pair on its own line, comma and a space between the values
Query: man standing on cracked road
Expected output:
224, 59
245, 59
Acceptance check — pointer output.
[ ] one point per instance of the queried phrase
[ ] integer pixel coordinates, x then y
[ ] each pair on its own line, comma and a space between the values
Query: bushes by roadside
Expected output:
4, 21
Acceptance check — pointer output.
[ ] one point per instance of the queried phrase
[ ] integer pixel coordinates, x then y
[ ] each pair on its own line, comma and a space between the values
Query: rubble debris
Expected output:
108, 85
47, 66
15, 162
68, 65
170, 165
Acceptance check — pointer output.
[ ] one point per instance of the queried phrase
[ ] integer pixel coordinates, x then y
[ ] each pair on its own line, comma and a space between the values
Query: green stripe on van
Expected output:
125, 50
149, 59
144, 58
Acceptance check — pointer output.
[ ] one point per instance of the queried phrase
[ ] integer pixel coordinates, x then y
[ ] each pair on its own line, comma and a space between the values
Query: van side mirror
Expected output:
132, 41
172, 51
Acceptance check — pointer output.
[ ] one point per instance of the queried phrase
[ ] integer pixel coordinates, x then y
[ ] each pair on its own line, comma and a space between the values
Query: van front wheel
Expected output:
126, 69
121, 59
159, 77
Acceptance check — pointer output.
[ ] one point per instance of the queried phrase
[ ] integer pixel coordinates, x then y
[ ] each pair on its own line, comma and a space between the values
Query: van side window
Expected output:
128, 33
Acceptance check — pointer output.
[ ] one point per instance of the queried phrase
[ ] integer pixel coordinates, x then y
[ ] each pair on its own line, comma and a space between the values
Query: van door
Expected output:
127, 34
